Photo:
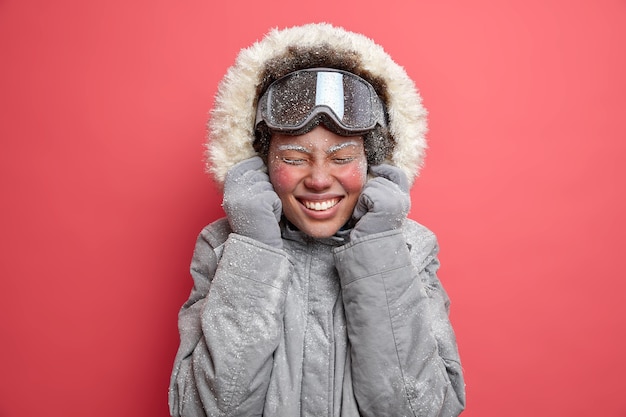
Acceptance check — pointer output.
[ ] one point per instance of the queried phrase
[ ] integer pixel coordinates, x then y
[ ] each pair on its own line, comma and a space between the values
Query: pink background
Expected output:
102, 119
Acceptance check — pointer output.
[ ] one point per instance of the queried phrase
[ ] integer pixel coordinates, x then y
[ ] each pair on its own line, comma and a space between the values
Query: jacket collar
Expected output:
290, 232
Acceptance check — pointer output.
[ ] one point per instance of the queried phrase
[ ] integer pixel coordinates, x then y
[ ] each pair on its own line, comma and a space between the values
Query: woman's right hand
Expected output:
251, 204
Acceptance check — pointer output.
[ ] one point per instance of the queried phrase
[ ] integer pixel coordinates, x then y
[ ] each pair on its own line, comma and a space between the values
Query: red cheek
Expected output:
280, 177
353, 178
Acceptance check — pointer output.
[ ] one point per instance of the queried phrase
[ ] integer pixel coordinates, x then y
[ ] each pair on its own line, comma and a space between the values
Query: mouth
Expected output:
320, 205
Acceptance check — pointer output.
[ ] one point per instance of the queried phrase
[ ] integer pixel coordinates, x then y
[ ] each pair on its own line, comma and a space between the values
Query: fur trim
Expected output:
231, 125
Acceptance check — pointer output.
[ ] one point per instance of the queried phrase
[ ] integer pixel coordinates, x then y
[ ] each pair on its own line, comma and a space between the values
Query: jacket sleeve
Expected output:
229, 328
403, 350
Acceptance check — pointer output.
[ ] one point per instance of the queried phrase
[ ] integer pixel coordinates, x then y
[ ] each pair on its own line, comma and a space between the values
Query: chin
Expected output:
321, 235
320, 232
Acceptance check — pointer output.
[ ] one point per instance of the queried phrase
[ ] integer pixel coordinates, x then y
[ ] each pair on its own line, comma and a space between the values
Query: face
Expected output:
318, 177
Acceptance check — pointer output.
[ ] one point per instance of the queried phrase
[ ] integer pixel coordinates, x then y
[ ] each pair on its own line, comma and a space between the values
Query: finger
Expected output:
251, 164
278, 208
393, 174
363, 205
254, 176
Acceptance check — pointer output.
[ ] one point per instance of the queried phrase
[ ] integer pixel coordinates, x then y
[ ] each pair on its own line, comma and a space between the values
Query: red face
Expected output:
318, 177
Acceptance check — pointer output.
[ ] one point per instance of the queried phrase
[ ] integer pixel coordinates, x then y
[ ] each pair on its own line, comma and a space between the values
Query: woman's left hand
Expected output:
384, 202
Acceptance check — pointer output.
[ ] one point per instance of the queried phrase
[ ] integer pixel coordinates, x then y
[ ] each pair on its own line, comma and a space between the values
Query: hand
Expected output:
384, 202
251, 204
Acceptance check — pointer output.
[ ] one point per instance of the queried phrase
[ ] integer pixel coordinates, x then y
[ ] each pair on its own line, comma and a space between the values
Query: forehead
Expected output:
317, 139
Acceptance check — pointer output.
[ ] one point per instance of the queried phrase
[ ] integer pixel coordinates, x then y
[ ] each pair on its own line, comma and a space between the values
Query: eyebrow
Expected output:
293, 147
339, 147
303, 149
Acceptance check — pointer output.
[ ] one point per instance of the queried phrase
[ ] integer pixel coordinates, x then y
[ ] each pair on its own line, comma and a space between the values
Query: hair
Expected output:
378, 143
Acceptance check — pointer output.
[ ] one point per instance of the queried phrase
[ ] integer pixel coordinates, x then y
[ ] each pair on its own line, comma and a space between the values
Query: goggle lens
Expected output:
295, 101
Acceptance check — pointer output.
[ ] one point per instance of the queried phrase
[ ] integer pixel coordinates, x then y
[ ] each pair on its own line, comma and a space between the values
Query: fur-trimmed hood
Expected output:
231, 125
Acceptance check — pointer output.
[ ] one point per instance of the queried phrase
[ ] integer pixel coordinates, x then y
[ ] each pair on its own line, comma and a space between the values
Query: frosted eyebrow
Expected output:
341, 146
293, 147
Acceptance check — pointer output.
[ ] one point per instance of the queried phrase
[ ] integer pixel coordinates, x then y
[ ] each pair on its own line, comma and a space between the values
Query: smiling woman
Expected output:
318, 177
316, 295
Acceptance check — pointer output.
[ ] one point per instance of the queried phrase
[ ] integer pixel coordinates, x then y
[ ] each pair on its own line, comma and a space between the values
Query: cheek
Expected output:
281, 178
354, 176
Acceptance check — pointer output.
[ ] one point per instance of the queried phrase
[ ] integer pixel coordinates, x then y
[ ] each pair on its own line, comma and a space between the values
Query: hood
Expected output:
231, 124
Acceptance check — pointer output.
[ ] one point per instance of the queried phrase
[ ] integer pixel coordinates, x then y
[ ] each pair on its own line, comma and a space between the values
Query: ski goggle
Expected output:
344, 102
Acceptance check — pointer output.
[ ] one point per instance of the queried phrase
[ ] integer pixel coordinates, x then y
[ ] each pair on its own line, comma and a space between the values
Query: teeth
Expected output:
321, 205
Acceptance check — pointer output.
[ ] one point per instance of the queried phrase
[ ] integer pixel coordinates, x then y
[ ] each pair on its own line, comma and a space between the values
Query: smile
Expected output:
320, 205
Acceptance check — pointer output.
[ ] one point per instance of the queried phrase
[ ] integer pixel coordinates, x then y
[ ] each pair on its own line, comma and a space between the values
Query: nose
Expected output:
319, 177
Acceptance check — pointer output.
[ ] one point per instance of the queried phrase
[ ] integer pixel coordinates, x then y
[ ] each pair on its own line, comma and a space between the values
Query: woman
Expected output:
316, 296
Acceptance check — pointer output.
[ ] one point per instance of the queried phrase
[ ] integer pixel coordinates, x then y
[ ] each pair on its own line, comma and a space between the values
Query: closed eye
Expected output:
293, 161
344, 160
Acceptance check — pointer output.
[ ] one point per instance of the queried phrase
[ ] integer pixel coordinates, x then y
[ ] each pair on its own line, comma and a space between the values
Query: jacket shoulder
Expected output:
417, 233
217, 232
422, 243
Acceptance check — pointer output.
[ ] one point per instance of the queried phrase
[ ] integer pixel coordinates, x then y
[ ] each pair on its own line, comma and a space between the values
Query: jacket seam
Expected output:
260, 282
232, 384
307, 274
380, 273
395, 343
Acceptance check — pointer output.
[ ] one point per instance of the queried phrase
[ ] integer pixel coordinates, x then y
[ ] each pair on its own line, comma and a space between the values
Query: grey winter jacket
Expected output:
320, 328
